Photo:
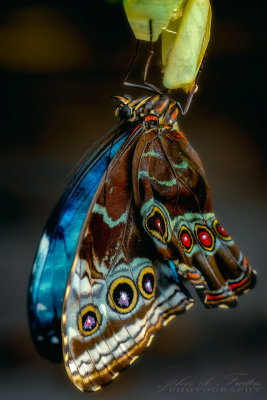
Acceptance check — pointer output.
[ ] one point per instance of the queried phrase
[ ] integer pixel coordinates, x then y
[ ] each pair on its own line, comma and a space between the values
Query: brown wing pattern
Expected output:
118, 293
174, 200
152, 208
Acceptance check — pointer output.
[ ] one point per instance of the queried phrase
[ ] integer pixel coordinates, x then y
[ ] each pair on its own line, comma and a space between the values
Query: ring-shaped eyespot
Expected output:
122, 295
156, 225
186, 238
147, 283
89, 320
220, 231
205, 237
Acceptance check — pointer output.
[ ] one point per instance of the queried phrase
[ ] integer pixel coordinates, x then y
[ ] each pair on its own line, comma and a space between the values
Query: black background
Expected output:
59, 61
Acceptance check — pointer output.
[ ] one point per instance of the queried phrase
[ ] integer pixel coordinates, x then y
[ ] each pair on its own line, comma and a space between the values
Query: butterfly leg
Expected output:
192, 91
131, 64
146, 85
147, 67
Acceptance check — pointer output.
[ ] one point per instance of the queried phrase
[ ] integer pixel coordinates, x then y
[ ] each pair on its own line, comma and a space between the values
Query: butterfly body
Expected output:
148, 227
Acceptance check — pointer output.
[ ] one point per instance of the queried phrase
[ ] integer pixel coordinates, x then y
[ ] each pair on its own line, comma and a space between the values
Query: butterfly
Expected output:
133, 226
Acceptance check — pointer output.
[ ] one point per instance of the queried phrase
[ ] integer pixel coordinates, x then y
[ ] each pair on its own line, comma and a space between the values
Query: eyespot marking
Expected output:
220, 231
147, 283
186, 238
89, 320
156, 224
205, 237
122, 295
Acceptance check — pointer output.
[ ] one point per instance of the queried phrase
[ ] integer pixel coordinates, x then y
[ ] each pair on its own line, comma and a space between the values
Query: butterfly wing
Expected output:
119, 293
174, 200
58, 244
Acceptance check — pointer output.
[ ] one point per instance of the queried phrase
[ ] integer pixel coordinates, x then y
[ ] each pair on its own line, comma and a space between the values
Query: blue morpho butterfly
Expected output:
135, 222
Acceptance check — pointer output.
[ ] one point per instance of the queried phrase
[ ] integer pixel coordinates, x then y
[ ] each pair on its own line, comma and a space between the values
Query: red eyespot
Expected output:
205, 237
221, 232
158, 225
186, 238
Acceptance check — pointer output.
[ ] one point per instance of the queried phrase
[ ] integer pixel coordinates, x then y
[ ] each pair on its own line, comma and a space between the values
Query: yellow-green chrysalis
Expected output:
184, 44
140, 12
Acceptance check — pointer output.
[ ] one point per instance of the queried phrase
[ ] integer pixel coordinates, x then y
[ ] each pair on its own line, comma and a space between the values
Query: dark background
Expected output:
58, 63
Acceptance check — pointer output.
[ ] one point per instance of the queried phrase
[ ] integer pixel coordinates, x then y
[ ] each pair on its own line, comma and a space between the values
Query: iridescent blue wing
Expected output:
58, 245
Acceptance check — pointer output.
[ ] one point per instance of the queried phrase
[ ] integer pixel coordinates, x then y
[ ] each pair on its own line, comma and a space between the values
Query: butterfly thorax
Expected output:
156, 110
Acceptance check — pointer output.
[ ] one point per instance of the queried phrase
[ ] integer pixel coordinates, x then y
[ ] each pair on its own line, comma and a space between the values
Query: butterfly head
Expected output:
123, 110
